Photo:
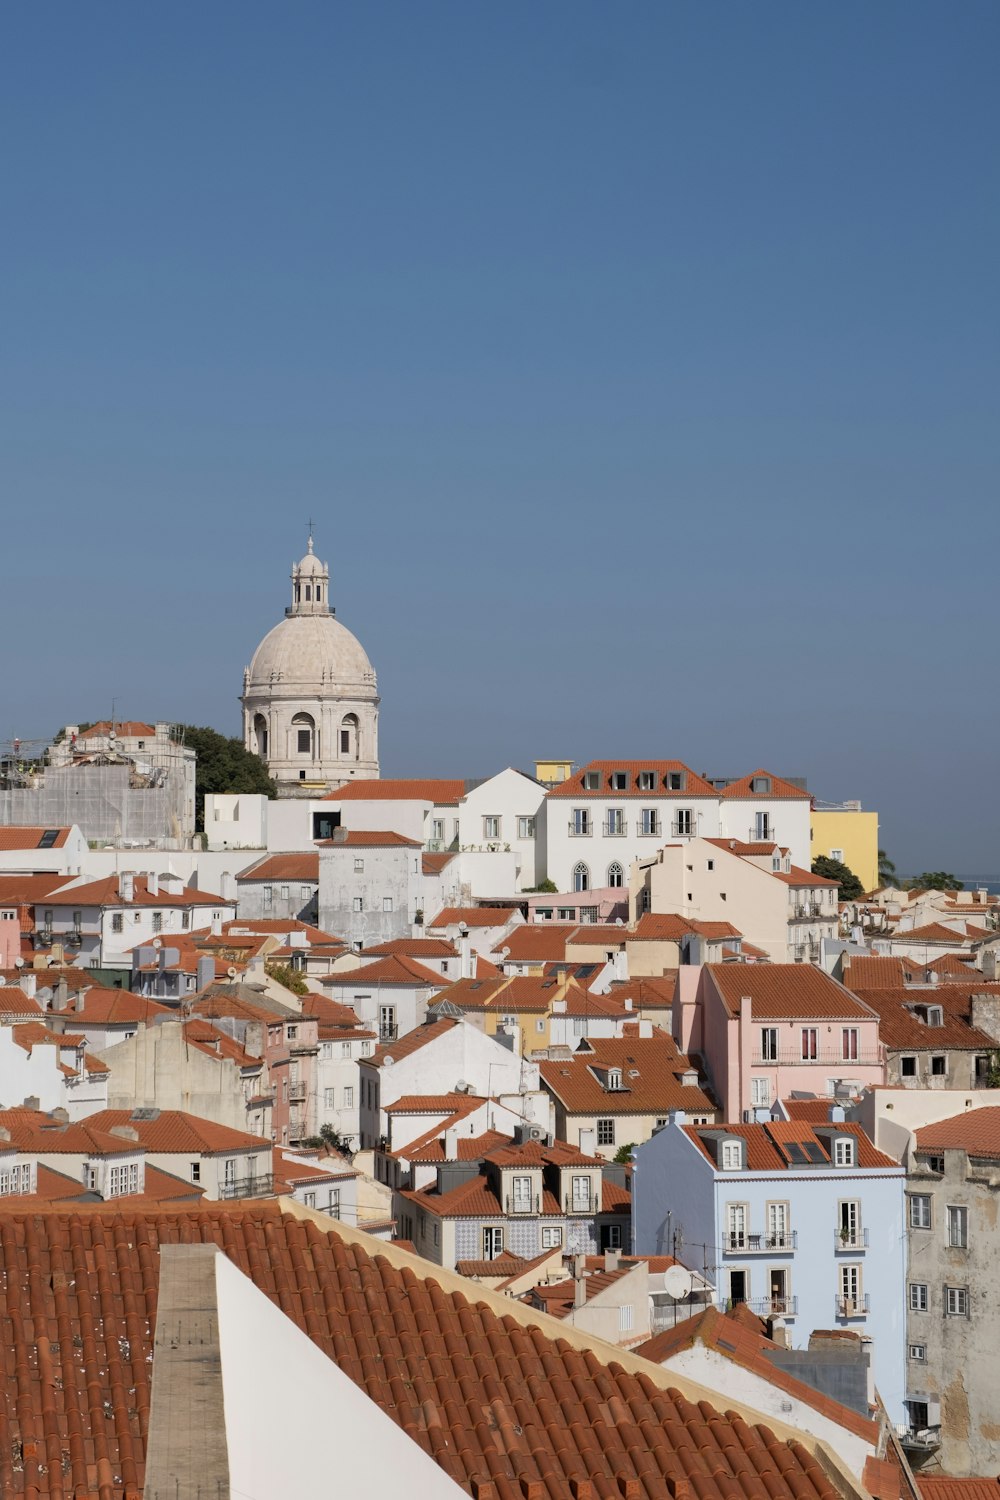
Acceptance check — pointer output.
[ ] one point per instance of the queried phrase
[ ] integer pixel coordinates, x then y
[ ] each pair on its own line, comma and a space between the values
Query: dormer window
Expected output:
675, 781
843, 1152
935, 1015
760, 785
732, 1156
592, 781
647, 781
619, 781
614, 1078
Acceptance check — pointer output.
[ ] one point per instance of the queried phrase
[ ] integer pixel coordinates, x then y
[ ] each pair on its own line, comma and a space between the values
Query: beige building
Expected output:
774, 905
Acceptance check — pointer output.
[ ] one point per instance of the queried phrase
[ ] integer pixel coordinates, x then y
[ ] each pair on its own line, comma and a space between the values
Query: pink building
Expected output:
290, 1051
10, 937
766, 1031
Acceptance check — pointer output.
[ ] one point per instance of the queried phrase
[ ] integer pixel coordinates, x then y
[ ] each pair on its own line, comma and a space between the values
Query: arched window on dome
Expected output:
616, 875
308, 591
581, 878
304, 730
260, 735
349, 737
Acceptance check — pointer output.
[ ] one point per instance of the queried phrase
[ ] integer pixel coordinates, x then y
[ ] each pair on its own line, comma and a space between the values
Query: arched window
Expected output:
349, 737
581, 878
260, 734
616, 875
304, 730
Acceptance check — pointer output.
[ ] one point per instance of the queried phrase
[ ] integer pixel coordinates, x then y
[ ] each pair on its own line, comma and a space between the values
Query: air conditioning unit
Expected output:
536, 1133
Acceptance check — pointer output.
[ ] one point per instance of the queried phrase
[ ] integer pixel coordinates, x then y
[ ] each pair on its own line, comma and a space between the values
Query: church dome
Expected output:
309, 654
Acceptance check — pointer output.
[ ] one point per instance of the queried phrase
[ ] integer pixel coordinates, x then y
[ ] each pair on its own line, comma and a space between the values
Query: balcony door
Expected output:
736, 1226
777, 1225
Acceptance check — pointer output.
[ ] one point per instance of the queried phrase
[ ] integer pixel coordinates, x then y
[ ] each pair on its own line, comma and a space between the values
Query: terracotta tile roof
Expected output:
785, 992
537, 942
442, 793
651, 1068
535, 1154
797, 876
599, 935
14, 1002
376, 838
656, 993
218, 1005
767, 1144
301, 866
34, 1132
288, 1172
413, 947
105, 1007
728, 1336
502, 1265
329, 1012
130, 728
780, 790
429, 1149
976, 1132
94, 1064
435, 1104
175, 1130
950, 966
580, 1002
937, 932
873, 972
36, 1034
30, 838
431, 1353
433, 864
419, 1037
900, 1028
757, 848
473, 916
484, 969
694, 786
506, 994
558, 1298
394, 970
942, 1487
215, 1043
658, 927
104, 892
269, 925
813, 1111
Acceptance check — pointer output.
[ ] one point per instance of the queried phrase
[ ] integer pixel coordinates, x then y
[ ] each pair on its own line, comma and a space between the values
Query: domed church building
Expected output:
310, 699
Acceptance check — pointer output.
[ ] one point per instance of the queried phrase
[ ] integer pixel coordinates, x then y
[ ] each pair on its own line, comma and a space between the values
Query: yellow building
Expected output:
552, 772
850, 835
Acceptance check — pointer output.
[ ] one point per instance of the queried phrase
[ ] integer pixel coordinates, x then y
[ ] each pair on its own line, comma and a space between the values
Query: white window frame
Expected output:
918, 1297
957, 1226
920, 1211
956, 1302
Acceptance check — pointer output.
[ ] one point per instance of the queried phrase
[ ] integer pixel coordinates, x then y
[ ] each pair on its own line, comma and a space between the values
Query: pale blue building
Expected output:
802, 1221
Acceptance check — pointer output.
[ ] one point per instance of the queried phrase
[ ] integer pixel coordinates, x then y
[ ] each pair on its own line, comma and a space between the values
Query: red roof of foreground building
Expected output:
12, 837
377, 838
474, 916
435, 1360
130, 728
780, 789
393, 970
780, 992
651, 1069
767, 1145
302, 866
174, 1130
106, 892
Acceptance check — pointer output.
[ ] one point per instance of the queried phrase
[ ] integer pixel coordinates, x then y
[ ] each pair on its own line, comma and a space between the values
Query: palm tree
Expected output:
887, 870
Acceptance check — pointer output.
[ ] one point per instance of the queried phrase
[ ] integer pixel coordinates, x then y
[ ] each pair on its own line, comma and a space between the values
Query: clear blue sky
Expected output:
639, 364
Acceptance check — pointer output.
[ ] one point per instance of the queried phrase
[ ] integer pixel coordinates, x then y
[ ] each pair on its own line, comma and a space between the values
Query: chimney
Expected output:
61, 1116
127, 1132
466, 965
227, 886
837, 1114
206, 971
126, 885
677, 1117
4, 1133
620, 962
152, 883
779, 1333
612, 1260
32, 1101
79, 999
28, 982
580, 1291
60, 995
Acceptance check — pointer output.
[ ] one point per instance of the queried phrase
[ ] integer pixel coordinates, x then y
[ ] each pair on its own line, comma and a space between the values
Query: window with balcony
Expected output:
521, 1195
850, 1289
810, 1044
776, 1219
683, 822
849, 1040
614, 825
580, 822
920, 1211
649, 821
769, 1043
849, 1233
918, 1298
958, 1227
387, 1023
605, 1132
736, 1226
581, 1194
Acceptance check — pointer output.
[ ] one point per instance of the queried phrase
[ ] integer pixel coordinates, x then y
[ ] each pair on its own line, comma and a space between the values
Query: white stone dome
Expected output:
309, 654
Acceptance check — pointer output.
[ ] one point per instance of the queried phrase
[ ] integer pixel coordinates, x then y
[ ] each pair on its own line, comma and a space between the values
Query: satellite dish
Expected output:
19, 962
231, 971
677, 1282
387, 1062
157, 942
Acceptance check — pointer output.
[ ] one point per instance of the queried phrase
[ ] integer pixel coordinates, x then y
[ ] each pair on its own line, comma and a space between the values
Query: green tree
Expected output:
887, 871
224, 765
624, 1153
849, 887
934, 880
290, 978
548, 887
